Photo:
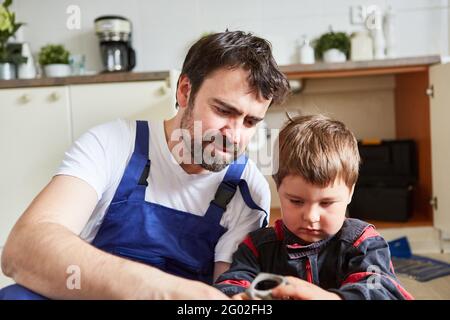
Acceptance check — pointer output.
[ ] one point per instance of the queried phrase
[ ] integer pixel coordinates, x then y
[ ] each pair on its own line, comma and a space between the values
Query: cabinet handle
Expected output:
54, 96
430, 91
163, 90
434, 203
25, 98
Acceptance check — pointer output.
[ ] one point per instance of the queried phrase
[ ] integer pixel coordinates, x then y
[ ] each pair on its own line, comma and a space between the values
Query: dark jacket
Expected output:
355, 263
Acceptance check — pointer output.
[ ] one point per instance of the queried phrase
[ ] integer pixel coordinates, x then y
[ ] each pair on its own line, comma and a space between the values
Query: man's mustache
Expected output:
223, 143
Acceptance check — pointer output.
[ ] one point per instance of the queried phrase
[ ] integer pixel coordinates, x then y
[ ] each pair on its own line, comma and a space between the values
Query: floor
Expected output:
434, 289
437, 289
425, 241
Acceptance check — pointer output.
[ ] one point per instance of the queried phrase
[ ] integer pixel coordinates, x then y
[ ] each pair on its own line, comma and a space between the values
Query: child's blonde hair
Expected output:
319, 150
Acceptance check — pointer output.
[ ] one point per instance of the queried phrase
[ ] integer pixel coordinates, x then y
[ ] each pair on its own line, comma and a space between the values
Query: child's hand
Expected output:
243, 296
299, 289
240, 296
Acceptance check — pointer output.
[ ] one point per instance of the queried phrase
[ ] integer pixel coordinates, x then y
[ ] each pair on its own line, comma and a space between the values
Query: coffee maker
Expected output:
114, 33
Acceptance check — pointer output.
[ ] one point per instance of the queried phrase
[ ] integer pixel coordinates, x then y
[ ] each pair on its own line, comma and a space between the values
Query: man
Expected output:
155, 210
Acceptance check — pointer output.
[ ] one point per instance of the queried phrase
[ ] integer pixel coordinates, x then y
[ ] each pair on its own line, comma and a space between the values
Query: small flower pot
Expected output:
57, 70
334, 55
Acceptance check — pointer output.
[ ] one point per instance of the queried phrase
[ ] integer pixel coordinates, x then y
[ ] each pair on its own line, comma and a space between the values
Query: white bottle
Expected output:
361, 46
388, 26
27, 70
376, 27
306, 54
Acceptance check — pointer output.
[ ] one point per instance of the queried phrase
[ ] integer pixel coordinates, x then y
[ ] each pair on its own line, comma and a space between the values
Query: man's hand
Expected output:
298, 289
241, 296
182, 289
219, 268
49, 231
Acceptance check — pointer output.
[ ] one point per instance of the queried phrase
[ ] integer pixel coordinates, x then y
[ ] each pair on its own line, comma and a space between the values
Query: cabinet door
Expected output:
93, 104
34, 133
440, 144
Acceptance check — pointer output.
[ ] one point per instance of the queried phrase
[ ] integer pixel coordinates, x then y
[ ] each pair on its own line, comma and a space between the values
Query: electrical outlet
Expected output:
358, 14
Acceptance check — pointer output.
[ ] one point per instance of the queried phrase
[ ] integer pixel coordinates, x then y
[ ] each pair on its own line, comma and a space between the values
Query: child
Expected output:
325, 254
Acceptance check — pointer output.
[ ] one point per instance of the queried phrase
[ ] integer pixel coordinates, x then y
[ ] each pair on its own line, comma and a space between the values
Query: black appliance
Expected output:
388, 175
115, 34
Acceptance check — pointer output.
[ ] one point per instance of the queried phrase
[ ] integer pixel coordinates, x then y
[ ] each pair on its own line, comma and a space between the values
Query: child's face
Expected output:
311, 212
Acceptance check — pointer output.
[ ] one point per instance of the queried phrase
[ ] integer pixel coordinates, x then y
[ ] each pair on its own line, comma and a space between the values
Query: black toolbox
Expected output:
385, 186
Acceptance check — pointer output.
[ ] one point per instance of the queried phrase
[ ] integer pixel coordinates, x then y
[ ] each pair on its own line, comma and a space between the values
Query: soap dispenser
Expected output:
27, 70
306, 52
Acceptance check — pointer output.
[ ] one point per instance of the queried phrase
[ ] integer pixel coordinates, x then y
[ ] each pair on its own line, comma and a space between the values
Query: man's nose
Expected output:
232, 132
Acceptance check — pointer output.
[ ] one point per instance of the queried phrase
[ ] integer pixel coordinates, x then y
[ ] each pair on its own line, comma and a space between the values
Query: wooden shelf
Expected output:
412, 116
86, 79
417, 220
275, 214
360, 68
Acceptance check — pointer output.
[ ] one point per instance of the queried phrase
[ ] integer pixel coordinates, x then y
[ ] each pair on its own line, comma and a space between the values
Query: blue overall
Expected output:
174, 241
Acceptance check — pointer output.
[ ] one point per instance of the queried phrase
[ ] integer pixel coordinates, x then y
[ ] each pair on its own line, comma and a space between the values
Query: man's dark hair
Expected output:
236, 49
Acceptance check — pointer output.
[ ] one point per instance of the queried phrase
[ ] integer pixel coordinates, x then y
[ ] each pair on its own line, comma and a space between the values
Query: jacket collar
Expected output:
296, 247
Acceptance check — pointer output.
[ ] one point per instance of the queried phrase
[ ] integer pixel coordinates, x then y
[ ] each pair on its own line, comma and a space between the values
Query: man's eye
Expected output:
296, 202
251, 123
222, 111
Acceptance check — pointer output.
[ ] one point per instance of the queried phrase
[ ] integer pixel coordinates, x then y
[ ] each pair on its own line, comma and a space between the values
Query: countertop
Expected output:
97, 78
360, 68
294, 71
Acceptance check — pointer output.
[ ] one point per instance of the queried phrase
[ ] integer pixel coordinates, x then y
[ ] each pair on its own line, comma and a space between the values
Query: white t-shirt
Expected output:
101, 155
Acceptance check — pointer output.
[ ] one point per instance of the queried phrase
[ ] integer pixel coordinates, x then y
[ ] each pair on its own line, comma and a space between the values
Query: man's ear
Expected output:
183, 91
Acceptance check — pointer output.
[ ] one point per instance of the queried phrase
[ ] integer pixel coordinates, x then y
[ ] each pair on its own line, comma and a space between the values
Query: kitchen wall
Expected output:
351, 100
348, 99
164, 29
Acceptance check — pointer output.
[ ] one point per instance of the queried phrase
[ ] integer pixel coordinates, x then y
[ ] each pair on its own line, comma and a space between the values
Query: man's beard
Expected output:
203, 151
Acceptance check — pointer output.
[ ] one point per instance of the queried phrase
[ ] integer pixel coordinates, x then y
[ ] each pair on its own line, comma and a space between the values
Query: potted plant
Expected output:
332, 46
8, 57
55, 60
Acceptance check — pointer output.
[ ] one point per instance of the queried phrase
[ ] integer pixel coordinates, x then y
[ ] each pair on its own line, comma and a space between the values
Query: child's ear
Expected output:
351, 194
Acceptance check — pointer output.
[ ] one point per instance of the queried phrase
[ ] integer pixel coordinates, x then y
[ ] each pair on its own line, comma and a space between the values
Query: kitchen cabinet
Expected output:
34, 133
422, 102
440, 144
38, 124
93, 104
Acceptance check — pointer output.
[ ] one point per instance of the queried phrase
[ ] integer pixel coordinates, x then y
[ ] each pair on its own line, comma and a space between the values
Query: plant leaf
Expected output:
7, 3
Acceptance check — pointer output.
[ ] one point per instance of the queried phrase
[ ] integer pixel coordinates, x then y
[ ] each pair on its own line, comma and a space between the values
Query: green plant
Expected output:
53, 54
206, 33
332, 40
8, 28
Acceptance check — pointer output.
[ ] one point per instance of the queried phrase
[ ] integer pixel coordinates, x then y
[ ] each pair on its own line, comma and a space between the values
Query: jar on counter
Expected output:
306, 52
361, 46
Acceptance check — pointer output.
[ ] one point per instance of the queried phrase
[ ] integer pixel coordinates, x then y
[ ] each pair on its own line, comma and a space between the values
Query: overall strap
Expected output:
245, 192
138, 162
226, 190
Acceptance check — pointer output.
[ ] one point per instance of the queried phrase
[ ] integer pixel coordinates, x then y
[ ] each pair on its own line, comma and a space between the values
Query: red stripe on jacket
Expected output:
240, 283
391, 266
309, 276
279, 229
358, 276
249, 243
369, 232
